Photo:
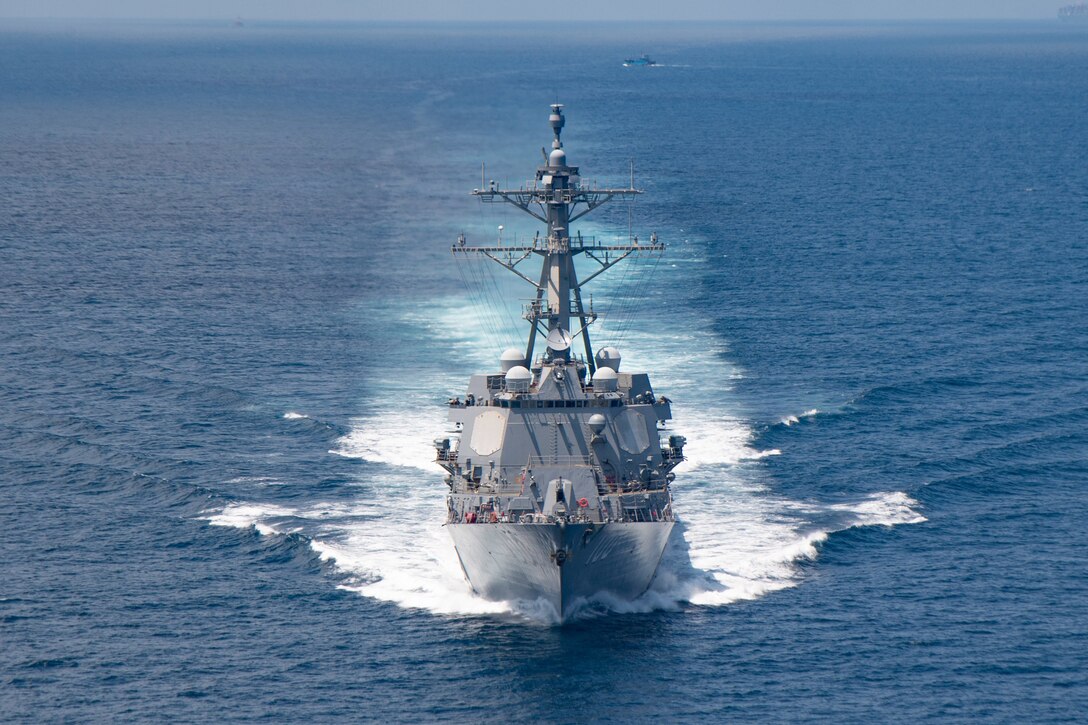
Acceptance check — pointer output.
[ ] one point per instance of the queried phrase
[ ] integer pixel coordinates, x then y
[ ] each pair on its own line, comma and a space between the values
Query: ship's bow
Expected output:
565, 564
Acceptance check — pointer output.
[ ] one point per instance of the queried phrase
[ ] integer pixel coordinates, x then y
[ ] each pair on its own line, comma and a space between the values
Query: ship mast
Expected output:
557, 198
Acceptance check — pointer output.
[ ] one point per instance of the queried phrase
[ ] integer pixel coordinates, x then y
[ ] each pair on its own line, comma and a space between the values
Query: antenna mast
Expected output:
557, 199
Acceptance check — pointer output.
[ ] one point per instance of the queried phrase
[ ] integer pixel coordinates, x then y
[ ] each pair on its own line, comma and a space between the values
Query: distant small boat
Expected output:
1074, 12
644, 60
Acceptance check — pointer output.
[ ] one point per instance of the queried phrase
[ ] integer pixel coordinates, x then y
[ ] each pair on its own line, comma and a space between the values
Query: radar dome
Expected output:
597, 422
605, 380
608, 357
558, 157
518, 379
559, 339
511, 357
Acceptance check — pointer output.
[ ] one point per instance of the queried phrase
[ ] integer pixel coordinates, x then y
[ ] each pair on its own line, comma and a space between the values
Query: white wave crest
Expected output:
791, 419
883, 509
243, 516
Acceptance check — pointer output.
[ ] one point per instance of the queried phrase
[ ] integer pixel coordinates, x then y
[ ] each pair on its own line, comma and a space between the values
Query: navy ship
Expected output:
645, 60
561, 460
1077, 12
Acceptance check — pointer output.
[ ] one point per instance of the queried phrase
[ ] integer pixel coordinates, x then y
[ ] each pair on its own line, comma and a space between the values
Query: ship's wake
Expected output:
736, 540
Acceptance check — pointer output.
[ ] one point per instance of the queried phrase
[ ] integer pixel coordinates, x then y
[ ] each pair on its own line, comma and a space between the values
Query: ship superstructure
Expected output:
560, 466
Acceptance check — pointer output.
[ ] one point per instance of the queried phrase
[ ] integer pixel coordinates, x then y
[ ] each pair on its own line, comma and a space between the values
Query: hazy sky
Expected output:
629, 10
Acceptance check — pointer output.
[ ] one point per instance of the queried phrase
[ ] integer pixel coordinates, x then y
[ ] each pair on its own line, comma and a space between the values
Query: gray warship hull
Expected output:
518, 562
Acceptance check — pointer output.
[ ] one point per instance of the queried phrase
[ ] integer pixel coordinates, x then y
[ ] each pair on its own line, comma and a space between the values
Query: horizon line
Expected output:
495, 21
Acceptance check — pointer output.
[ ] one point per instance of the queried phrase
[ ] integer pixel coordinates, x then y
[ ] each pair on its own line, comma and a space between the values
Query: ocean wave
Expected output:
789, 420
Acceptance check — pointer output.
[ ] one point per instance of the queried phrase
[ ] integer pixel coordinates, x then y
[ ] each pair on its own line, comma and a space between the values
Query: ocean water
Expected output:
229, 321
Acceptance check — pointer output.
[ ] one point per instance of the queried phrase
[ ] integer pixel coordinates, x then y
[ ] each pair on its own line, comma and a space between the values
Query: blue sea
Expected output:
230, 320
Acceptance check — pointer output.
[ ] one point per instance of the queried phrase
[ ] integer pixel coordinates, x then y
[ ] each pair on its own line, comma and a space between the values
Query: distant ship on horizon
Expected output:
645, 60
1078, 11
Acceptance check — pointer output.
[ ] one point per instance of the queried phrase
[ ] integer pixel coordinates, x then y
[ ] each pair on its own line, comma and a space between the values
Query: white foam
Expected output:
392, 548
791, 419
258, 481
408, 416
757, 455
744, 543
291, 415
244, 516
883, 509
405, 560
395, 437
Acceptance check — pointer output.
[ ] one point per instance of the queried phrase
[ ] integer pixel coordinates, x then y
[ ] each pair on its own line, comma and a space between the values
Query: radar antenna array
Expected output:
558, 198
